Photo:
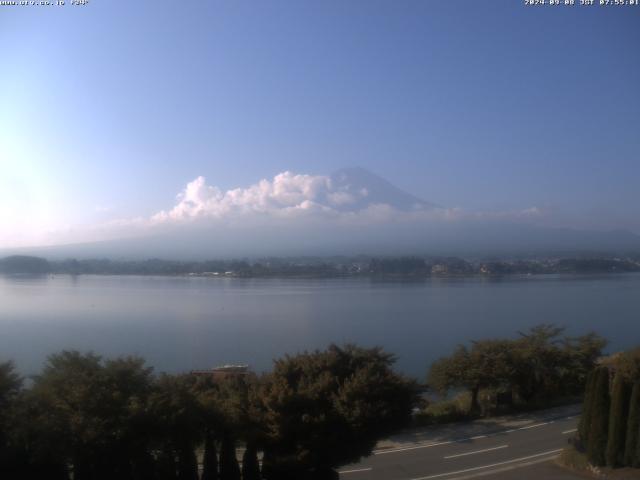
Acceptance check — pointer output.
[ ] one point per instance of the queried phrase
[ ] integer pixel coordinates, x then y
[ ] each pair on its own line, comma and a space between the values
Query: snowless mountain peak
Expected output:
366, 188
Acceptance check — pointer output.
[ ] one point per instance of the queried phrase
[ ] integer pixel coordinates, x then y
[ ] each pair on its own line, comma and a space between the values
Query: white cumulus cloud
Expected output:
287, 194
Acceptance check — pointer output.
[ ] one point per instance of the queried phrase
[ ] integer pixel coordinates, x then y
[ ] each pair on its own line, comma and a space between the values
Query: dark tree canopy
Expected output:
24, 264
537, 365
329, 408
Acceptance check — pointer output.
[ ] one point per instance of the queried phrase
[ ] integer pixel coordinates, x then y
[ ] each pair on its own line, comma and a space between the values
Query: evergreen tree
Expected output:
210, 460
166, 465
229, 468
144, 468
328, 408
617, 421
187, 464
636, 458
250, 465
585, 418
633, 428
598, 427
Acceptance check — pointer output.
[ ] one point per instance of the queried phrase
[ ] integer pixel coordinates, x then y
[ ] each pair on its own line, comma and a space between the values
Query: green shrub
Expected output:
572, 458
455, 409
599, 425
633, 428
585, 418
617, 421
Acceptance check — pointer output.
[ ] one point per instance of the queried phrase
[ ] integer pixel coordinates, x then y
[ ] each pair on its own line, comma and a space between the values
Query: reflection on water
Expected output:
179, 323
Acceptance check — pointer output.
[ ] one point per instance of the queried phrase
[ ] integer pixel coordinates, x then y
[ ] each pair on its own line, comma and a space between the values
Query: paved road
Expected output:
495, 449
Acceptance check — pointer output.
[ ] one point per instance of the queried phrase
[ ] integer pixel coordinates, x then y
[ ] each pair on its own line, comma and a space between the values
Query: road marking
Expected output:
476, 451
355, 470
570, 431
506, 468
459, 440
550, 452
536, 425
449, 442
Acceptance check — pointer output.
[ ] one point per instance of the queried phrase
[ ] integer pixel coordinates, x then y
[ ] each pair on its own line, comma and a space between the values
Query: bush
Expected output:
451, 410
572, 458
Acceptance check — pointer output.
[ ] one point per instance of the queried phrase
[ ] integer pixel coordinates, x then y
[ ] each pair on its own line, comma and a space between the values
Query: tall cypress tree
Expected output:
598, 426
633, 428
250, 465
166, 465
585, 418
229, 468
210, 460
636, 457
187, 464
617, 421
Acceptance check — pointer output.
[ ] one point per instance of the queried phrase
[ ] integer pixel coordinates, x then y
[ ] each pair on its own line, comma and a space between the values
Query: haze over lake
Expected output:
180, 323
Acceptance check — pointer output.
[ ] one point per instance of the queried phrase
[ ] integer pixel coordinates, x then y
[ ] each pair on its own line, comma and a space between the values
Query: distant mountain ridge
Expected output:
371, 189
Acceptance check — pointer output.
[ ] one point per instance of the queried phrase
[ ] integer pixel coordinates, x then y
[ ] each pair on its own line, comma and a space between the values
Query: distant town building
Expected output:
223, 372
439, 269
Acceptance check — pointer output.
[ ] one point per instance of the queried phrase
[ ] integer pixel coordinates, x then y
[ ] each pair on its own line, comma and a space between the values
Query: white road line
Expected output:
506, 468
415, 447
488, 466
459, 440
570, 431
476, 451
356, 470
536, 425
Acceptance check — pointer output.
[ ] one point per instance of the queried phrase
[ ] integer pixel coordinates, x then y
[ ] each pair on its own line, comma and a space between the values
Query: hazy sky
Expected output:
109, 110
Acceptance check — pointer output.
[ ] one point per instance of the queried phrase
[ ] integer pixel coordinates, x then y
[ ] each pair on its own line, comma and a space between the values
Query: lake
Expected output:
183, 323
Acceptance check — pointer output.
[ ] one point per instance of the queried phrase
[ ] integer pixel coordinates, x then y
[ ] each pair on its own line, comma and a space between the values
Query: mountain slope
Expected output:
370, 189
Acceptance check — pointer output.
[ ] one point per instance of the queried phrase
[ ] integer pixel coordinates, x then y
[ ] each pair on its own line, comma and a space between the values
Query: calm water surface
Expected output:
179, 323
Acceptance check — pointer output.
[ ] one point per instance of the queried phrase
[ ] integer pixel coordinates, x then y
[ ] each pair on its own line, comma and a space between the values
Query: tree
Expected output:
229, 468
10, 388
329, 408
598, 428
617, 421
187, 464
92, 414
178, 423
166, 464
538, 365
489, 364
585, 418
627, 364
539, 362
24, 264
250, 465
579, 358
234, 409
633, 428
69, 399
210, 460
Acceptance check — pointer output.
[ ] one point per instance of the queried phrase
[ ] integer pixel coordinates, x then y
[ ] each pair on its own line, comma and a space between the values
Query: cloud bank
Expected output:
288, 194
300, 196
352, 206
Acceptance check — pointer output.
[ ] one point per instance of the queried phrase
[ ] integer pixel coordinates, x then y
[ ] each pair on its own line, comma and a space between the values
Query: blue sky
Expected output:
108, 110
